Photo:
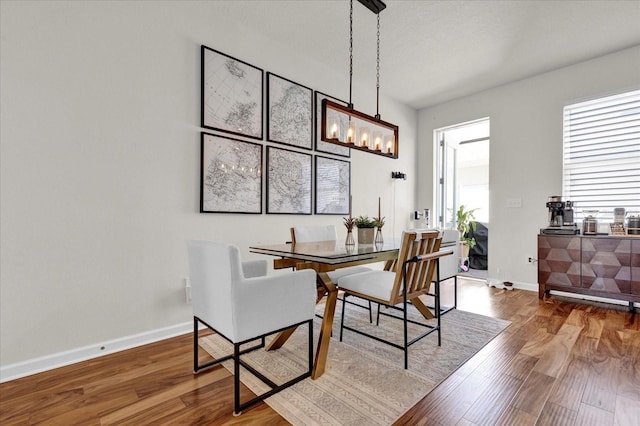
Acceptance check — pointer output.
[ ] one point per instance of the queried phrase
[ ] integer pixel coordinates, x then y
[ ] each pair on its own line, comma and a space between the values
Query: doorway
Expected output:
462, 164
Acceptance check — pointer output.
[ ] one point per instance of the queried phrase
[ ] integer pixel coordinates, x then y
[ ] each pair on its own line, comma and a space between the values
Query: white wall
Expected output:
526, 149
100, 154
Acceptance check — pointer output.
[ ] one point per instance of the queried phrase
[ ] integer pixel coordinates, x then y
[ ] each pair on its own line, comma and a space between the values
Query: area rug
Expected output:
364, 382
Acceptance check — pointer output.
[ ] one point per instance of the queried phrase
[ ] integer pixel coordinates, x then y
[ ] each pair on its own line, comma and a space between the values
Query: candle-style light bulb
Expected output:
377, 141
389, 143
351, 132
364, 137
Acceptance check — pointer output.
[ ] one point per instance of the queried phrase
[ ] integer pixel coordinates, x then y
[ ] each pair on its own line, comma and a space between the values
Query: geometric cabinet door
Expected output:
635, 266
606, 264
559, 260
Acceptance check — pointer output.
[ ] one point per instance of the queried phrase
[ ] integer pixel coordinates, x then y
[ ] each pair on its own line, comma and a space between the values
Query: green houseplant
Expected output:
365, 222
464, 222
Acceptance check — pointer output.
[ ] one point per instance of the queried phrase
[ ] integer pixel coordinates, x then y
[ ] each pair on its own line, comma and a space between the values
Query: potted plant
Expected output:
464, 222
366, 227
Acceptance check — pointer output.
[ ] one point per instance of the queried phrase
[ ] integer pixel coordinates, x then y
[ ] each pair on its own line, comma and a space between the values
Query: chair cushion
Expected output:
378, 284
343, 272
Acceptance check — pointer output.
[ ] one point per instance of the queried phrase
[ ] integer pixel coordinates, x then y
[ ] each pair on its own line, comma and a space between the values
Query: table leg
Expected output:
422, 308
280, 339
326, 327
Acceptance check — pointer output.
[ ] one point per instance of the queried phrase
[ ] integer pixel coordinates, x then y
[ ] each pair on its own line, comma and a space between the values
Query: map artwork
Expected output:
231, 95
290, 112
231, 175
288, 181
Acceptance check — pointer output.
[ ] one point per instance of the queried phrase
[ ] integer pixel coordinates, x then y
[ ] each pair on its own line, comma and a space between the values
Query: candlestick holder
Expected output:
349, 223
349, 241
379, 240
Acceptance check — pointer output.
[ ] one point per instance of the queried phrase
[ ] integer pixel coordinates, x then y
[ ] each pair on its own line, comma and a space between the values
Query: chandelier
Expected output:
344, 125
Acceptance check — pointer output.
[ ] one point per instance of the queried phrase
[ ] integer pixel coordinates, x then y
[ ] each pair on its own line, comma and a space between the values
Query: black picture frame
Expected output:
332, 186
289, 112
288, 181
232, 95
322, 146
230, 175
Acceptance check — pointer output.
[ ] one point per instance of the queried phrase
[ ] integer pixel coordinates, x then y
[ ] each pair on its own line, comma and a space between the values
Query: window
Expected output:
602, 154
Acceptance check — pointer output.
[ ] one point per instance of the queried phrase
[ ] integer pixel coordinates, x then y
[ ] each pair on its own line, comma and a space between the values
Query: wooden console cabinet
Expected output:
604, 266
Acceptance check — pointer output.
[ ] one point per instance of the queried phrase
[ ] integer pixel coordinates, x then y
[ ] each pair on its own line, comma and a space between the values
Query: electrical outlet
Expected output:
187, 290
514, 203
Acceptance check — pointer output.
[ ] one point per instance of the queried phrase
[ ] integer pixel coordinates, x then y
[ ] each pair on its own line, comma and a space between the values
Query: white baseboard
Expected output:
61, 359
534, 287
592, 298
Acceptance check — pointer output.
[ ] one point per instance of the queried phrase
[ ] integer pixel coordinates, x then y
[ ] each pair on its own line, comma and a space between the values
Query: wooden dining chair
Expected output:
406, 279
237, 301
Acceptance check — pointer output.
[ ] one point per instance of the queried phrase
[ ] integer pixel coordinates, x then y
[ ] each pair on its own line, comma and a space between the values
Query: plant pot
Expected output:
464, 250
365, 236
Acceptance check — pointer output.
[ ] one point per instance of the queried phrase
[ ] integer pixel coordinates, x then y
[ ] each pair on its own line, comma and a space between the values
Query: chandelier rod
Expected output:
350, 53
378, 71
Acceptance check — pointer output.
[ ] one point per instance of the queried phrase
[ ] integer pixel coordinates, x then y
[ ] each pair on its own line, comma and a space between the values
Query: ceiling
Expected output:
435, 51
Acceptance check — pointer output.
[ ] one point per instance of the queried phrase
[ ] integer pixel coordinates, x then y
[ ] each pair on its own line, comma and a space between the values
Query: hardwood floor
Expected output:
559, 363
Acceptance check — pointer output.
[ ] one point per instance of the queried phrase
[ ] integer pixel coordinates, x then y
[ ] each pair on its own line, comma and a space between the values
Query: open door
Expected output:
462, 165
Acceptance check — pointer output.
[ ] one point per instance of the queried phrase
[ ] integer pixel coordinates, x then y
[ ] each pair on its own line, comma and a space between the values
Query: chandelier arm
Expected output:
378, 70
350, 53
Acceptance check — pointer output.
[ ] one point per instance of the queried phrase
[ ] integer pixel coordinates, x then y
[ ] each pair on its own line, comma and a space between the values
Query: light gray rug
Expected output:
364, 382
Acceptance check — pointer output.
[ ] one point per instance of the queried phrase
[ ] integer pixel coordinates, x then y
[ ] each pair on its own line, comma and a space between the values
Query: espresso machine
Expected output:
561, 220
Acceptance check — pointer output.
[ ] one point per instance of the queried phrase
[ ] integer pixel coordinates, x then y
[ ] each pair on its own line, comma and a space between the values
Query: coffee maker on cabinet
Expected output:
561, 217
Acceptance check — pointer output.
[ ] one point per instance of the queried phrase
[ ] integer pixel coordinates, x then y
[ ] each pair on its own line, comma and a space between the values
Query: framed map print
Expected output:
290, 112
322, 146
288, 181
231, 94
230, 175
333, 183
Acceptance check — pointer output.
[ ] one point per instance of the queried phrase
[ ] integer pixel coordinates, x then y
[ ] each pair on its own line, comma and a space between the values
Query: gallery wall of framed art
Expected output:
279, 118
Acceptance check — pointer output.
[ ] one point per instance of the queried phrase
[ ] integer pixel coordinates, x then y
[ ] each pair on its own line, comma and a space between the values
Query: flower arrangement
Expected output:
363, 222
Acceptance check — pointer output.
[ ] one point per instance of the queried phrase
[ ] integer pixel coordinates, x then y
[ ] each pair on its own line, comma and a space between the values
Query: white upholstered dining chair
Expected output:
237, 301
406, 279
306, 234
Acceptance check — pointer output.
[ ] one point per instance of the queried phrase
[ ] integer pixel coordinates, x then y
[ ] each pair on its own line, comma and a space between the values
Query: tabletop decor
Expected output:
366, 227
380, 224
349, 223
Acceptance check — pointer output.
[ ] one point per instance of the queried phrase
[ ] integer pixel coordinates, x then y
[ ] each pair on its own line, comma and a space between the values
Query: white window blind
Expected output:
602, 154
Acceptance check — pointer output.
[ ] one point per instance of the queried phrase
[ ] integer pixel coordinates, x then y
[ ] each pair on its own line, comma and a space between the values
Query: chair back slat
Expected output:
419, 274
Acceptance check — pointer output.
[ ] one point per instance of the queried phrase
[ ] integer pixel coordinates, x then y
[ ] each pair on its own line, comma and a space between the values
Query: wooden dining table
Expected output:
323, 257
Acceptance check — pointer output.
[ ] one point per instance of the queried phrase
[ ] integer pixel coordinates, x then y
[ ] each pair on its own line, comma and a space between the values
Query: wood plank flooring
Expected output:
559, 363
